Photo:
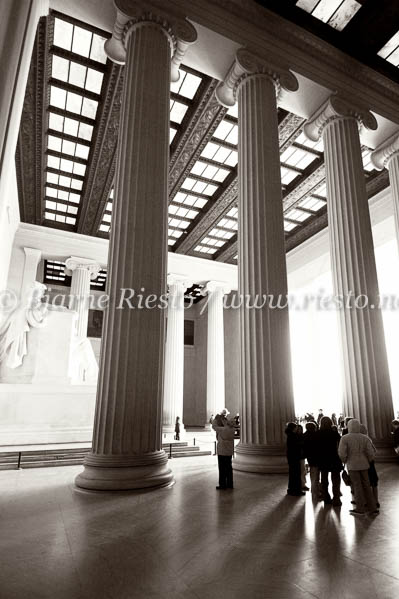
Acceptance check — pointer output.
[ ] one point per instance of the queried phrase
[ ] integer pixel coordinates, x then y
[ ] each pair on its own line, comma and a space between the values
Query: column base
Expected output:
261, 459
118, 473
385, 451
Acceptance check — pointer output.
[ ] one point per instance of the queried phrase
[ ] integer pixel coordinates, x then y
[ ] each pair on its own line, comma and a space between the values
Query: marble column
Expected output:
266, 395
174, 355
367, 388
215, 397
82, 271
387, 156
32, 258
127, 439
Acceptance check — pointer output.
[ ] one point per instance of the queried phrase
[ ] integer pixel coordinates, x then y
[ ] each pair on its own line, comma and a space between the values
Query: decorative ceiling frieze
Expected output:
29, 154
102, 158
198, 132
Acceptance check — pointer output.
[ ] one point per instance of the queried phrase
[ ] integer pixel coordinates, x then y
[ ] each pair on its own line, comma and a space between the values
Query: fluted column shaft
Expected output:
367, 389
83, 271
265, 365
80, 289
127, 430
215, 397
393, 168
174, 357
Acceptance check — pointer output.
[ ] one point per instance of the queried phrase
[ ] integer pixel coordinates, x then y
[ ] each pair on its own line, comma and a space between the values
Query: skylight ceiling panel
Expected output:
297, 215
89, 108
222, 154
60, 68
289, 226
199, 168
97, 52
325, 9
336, 13
177, 111
210, 150
172, 133
81, 41
63, 33
232, 137
312, 204
223, 130
394, 57
344, 14
390, 46
232, 159
287, 176
57, 97
187, 85
77, 74
233, 110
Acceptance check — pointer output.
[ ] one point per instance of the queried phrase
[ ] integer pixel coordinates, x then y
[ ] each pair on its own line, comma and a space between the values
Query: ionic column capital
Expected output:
179, 282
216, 286
247, 65
132, 14
73, 263
334, 108
382, 155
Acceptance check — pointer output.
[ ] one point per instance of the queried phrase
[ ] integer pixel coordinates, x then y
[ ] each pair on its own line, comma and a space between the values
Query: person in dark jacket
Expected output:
177, 428
329, 461
310, 452
294, 455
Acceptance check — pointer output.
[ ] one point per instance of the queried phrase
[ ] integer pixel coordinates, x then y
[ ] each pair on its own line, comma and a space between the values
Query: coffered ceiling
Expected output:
68, 137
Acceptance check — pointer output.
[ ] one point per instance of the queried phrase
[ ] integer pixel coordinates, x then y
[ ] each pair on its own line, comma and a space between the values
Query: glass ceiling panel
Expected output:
187, 85
177, 111
297, 215
390, 51
336, 13
78, 40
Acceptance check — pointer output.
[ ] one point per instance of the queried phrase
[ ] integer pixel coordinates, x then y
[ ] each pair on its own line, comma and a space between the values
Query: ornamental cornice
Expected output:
102, 157
382, 155
246, 65
133, 14
197, 134
337, 107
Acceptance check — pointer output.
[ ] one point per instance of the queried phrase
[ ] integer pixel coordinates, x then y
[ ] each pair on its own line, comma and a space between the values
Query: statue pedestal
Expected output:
46, 413
49, 351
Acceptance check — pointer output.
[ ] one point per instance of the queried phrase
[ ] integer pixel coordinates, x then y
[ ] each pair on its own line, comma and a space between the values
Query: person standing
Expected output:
294, 454
329, 461
310, 451
225, 450
177, 428
319, 417
357, 451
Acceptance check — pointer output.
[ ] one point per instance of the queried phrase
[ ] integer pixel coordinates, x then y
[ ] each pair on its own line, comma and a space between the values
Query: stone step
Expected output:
43, 458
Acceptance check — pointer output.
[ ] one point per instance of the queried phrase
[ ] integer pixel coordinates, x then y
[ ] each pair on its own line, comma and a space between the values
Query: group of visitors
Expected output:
327, 453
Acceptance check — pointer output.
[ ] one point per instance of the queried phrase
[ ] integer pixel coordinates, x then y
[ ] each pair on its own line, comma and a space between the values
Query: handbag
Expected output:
346, 478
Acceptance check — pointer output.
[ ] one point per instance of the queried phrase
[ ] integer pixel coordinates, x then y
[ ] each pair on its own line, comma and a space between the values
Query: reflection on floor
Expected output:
191, 541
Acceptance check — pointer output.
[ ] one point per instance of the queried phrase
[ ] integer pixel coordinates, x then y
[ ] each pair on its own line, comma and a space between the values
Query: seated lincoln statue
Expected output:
31, 312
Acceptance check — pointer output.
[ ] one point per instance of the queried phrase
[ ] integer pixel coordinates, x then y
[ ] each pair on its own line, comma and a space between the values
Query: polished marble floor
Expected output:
191, 541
